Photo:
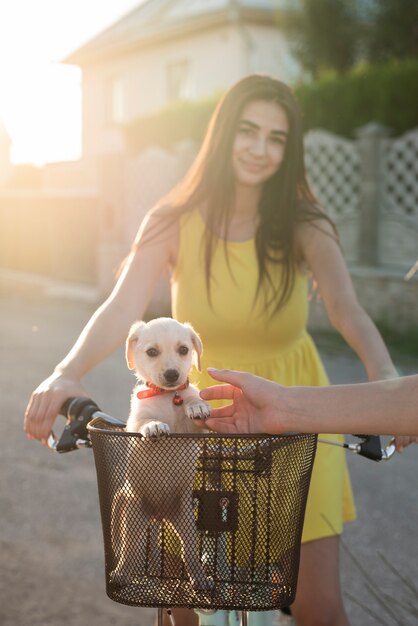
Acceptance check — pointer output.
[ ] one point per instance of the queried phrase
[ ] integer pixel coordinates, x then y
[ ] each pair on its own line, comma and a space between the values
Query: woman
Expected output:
238, 235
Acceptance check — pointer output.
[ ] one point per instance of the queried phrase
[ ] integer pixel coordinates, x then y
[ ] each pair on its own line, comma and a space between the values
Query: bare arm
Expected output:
107, 328
322, 253
381, 407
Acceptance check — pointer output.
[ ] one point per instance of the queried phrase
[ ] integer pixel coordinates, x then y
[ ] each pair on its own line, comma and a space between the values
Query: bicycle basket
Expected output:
202, 520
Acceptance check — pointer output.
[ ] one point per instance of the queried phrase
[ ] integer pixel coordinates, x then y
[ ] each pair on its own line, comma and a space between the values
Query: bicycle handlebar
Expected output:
371, 447
80, 411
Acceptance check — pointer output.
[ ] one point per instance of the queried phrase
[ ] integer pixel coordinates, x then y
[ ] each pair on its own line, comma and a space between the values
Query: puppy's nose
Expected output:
171, 376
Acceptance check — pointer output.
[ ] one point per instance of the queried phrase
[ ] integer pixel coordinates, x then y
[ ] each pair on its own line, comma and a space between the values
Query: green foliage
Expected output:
178, 121
385, 93
393, 31
400, 344
322, 34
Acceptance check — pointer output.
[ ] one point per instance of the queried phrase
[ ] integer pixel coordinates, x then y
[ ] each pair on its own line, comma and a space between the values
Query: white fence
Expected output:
369, 186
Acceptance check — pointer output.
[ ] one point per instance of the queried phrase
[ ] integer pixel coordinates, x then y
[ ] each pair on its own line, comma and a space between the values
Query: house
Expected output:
5, 162
167, 50
160, 52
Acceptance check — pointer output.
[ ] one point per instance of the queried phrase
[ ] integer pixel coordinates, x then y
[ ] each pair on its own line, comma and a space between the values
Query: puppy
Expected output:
161, 353
159, 480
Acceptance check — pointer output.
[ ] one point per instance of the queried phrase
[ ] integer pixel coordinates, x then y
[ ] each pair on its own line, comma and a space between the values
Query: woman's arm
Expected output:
382, 407
154, 250
317, 245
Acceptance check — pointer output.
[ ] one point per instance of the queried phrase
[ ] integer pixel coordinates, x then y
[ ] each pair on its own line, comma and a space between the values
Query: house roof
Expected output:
157, 20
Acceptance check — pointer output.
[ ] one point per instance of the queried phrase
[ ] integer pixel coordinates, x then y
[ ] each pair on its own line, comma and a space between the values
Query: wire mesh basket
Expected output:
202, 521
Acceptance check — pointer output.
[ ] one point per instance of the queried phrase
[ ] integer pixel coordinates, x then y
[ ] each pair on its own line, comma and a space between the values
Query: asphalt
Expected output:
52, 571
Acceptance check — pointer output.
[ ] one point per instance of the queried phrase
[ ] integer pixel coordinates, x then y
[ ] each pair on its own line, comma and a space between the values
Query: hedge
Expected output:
182, 120
386, 93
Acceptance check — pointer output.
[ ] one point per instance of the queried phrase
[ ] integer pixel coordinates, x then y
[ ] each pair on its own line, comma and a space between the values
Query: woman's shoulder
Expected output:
159, 229
171, 229
160, 219
311, 227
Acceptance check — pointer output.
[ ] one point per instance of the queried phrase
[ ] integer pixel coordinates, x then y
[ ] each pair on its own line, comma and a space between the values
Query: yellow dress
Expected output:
239, 335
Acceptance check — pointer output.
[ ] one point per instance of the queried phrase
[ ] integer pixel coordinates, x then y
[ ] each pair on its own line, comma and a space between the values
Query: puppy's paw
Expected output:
197, 410
155, 430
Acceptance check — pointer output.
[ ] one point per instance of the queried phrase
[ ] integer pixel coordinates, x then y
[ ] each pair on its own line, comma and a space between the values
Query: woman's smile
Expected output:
260, 142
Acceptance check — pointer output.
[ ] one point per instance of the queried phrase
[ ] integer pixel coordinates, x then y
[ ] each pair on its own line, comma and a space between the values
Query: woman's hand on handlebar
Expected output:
45, 404
403, 441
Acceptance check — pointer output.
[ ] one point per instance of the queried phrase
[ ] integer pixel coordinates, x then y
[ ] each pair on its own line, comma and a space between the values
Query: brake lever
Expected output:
370, 447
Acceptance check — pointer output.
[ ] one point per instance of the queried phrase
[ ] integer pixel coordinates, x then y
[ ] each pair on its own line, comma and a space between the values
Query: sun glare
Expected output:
42, 113
40, 98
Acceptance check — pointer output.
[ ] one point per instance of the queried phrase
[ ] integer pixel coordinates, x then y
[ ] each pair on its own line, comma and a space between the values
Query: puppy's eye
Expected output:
152, 352
183, 350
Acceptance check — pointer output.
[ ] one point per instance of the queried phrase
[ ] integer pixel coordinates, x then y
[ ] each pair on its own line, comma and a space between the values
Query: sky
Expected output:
40, 98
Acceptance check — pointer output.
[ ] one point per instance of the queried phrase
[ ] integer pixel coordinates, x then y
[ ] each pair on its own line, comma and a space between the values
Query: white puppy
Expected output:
161, 353
159, 479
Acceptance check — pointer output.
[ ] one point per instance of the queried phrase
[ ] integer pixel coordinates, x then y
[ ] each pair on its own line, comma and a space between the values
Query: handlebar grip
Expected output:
81, 405
66, 406
79, 411
371, 447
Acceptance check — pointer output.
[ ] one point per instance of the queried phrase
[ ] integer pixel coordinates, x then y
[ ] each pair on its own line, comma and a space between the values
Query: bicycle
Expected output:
240, 483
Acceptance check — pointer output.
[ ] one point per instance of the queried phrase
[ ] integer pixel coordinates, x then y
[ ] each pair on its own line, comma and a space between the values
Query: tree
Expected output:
323, 34
393, 31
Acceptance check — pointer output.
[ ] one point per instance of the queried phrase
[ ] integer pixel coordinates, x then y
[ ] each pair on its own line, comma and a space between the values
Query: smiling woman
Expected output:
259, 144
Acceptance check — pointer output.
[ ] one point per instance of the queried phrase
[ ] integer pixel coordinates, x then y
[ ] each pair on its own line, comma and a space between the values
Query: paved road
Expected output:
50, 533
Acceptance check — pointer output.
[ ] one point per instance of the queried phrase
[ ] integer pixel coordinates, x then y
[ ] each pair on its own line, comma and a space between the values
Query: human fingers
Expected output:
225, 426
32, 423
222, 412
403, 441
42, 412
228, 376
49, 411
40, 416
28, 412
218, 392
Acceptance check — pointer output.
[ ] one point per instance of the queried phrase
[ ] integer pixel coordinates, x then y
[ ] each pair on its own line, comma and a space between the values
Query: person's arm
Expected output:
318, 247
260, 406
108, 327
316, 244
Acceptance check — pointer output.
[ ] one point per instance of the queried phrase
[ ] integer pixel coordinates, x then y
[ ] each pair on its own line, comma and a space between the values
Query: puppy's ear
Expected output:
131, 341
197, 345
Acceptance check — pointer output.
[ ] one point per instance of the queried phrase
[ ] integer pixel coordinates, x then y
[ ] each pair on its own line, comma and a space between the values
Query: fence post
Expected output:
369, 139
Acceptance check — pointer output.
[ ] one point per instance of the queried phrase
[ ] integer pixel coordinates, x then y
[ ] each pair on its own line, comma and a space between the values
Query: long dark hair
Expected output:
286, 197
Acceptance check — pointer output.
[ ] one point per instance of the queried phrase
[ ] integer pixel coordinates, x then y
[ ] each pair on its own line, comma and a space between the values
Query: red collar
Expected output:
153, 390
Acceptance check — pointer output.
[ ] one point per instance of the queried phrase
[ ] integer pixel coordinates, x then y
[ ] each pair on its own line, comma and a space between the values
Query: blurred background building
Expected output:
69, 227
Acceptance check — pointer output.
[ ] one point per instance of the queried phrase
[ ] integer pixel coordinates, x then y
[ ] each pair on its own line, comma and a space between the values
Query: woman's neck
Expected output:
246, 202
244, 218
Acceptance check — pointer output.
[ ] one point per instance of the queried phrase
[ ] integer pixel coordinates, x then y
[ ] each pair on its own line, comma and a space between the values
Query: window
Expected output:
115, 101
178, 81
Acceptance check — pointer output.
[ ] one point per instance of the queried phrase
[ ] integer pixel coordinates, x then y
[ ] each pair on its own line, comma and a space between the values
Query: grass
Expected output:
402, 344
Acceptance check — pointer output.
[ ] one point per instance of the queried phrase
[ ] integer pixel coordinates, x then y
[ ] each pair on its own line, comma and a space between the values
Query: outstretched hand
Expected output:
251, 408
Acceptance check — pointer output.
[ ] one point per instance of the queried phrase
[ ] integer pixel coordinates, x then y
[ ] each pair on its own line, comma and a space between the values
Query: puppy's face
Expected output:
161, 351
